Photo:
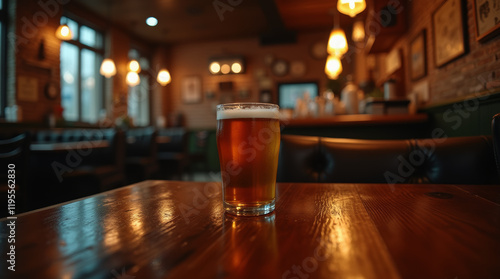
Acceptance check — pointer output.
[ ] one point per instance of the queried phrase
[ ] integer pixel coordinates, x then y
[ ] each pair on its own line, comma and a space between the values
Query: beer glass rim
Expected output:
247, 105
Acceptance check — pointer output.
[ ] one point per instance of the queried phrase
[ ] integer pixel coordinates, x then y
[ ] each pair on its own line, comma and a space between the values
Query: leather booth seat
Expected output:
459, 160
62, 175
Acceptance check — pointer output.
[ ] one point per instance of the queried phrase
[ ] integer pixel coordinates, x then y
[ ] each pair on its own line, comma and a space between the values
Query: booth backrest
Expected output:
459, 160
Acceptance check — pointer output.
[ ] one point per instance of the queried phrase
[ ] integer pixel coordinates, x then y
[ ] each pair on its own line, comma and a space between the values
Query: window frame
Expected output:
143, 53
3, 57
81, 46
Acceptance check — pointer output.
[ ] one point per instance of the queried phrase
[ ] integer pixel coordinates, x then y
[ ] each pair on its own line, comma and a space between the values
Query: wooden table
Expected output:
160, 229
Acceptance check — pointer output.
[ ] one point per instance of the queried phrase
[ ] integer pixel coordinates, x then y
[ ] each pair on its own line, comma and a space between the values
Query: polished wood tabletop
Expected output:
170, 229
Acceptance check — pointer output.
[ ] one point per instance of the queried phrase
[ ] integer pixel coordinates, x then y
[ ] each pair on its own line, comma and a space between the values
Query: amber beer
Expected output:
248, 140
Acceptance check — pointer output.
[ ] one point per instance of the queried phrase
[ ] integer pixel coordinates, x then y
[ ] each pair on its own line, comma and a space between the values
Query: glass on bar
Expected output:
248, 140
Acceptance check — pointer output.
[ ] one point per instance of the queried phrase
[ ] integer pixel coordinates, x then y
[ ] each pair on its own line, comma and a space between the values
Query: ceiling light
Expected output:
133, 79
108, 68
351, 7
163, 77
64, 33
151, 21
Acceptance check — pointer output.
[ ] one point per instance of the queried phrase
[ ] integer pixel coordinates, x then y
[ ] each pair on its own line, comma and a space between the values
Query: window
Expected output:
3, 44
82, 86
139, 96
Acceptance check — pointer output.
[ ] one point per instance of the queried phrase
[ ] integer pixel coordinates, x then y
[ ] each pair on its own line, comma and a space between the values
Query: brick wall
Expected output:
477, 71
34, 26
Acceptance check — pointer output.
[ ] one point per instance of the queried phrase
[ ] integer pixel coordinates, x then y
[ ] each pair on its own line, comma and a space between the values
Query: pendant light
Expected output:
337, 43
133, 79
351, 7
64, 33
333, 67
134, 66
163, 77
358, 31
108, 68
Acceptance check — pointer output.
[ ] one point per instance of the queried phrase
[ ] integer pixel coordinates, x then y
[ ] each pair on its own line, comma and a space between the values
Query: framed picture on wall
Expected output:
191, 90
487, 18
449, 38
418, 57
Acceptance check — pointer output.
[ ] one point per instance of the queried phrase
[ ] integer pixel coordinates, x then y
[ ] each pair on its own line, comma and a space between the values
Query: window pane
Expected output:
90, 37
138, 102
72, 25
91, 86
69, 81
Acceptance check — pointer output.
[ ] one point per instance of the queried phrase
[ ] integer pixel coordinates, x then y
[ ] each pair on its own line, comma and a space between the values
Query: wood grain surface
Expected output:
169, 229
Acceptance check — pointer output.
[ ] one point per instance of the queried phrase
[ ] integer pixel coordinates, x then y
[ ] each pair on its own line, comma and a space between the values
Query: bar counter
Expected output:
170, 229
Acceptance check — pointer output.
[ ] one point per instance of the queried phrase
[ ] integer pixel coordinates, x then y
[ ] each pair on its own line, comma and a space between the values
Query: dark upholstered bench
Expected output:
458, 160
93, 161
141, 150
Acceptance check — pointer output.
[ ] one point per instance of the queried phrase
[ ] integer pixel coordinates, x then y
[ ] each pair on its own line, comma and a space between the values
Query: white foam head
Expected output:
248, 112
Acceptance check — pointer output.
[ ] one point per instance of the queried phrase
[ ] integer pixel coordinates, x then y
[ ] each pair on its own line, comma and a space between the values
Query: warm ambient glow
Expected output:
64, 33
133, 79
108, 68
236, 68
337, 43
358, 31
151, 21
163, 77
351, 7
134, 66
214, 67
333, 67
225, 69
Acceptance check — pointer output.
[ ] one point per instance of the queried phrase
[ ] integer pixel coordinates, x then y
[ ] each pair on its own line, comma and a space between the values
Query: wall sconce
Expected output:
226, 65
163, 77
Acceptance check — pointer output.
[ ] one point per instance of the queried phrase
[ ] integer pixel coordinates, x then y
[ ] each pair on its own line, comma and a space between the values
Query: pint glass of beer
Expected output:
248, 141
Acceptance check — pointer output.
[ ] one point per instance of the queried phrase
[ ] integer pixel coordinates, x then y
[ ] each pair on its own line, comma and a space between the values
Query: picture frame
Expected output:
486, 18
418, 56
191, 90
449, 36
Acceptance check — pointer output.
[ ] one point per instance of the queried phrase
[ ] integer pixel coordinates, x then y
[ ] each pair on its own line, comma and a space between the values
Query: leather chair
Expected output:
460, 160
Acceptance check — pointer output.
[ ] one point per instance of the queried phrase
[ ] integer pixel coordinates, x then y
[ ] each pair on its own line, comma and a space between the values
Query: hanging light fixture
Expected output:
133, 79
333, 67
64, 33
108, 68
134, 66
358, 31
163, 77
351, 7
337, 43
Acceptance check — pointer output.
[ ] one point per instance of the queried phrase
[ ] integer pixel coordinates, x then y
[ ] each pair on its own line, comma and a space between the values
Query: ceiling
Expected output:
181, 21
